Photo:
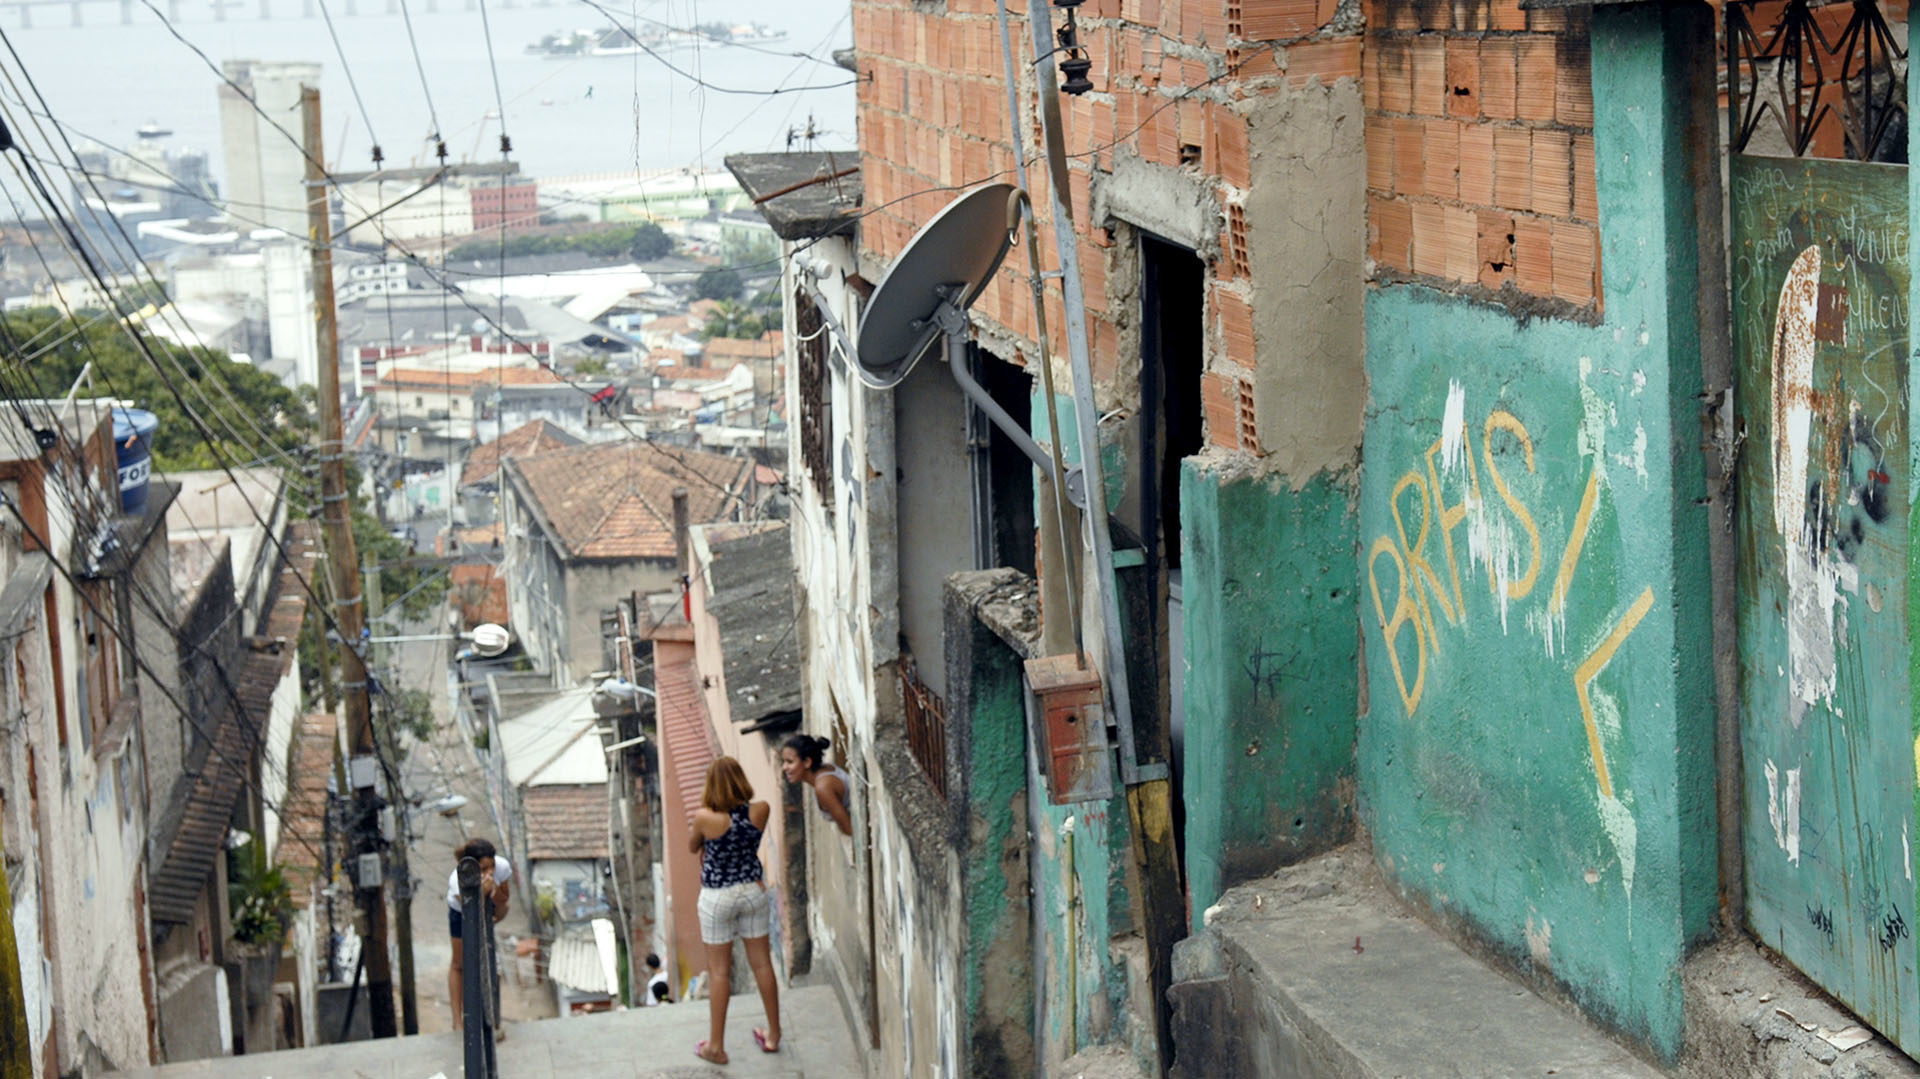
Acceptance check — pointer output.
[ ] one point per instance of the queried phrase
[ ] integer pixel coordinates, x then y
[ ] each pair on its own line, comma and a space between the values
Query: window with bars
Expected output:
816, 416
1815, 80
926, 716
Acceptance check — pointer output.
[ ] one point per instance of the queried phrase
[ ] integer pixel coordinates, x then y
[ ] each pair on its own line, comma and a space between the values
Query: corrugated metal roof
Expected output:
751, 577
202, 834
555, 744
583, 959
684, 731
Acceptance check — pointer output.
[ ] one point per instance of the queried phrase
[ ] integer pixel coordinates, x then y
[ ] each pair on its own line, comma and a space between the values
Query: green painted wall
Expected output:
1272, 674
998, 956
1536, 763
1823, 558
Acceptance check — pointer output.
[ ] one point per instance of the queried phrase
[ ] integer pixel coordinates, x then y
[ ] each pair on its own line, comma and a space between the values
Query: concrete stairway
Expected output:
641, 1043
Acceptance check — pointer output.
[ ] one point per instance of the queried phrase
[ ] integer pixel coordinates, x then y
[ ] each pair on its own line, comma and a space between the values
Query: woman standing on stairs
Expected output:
734, 904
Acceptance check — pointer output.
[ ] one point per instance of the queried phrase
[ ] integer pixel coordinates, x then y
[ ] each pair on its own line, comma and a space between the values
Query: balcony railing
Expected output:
926, 725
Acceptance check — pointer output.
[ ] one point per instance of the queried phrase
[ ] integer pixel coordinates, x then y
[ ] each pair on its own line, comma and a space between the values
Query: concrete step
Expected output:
1318, 972
640, 1043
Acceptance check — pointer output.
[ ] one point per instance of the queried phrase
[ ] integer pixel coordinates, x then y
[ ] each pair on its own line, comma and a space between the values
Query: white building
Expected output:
266, 170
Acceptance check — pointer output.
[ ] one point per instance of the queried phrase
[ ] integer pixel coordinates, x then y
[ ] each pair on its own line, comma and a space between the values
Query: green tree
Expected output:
650, 242
719, 283
733, 319
590, 365
234, 414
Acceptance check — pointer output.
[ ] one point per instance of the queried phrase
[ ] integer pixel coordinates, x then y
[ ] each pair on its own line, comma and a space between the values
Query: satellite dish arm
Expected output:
957, 363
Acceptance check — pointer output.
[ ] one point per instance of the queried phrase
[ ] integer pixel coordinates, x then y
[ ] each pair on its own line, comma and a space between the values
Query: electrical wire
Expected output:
695, 78
352, 84
433, 115
133, 258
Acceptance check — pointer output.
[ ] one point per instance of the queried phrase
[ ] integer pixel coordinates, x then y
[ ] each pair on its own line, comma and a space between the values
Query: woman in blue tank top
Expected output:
734, 904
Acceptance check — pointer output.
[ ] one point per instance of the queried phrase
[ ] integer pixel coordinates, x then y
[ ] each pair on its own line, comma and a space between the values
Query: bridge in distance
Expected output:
24, 12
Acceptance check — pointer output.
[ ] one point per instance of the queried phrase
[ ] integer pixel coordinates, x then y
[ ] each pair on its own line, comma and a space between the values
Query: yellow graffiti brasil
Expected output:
1505, 540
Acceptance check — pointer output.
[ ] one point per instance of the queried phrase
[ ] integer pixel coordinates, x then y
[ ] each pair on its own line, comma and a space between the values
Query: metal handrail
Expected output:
479, 974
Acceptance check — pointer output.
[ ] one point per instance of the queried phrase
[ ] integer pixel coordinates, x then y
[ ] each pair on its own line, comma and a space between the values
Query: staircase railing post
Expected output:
479, 988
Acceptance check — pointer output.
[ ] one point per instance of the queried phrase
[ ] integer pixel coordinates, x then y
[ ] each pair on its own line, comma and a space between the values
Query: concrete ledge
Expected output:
1748, 1014
1319, 971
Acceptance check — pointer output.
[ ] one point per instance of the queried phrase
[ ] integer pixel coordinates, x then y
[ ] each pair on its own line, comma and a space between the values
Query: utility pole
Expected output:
344, 566
376, 601
1145, 751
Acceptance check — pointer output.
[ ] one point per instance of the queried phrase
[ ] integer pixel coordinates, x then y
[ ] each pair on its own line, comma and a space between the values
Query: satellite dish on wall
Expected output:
947, 263
490, 640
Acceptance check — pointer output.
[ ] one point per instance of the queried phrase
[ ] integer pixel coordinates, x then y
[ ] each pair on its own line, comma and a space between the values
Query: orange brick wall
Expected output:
1173, 83
1479, 131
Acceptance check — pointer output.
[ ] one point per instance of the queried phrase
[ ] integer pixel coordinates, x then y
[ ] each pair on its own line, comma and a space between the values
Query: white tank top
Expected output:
845, 781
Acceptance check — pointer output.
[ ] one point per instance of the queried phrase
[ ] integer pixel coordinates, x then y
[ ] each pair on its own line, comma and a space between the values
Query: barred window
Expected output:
816, 416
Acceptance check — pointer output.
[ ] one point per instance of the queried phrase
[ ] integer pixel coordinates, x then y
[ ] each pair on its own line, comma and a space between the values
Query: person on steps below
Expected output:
496, 877
657, 985
803, 760
734, 904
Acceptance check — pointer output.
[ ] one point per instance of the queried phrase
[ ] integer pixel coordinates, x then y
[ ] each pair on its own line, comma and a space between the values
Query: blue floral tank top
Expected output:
734, 858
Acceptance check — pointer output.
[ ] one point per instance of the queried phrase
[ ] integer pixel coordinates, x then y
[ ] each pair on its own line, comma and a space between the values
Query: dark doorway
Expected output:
1173, 351
1009, 498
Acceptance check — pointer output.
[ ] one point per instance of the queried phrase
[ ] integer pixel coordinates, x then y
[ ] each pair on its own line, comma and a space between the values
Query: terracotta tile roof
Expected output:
684, 730
304, 818
236, 739
726, 349
414, 377
424, 378
525, 440
478, 592
566, 822
614, 500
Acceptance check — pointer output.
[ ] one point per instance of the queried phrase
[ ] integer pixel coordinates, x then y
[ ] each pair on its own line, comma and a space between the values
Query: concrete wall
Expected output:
935, 496
1536, 755
845, 579
685, 955
594, 587
1272, 672
759, 757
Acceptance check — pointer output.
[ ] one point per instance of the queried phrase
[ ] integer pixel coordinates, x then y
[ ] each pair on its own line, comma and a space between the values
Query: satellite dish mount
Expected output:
926, 294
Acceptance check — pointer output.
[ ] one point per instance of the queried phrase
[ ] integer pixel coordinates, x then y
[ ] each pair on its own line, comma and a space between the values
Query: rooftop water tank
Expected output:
133, 430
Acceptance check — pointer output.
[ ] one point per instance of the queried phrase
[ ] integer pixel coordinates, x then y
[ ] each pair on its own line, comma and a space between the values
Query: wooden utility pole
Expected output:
376, 602
344, 567
1146, 749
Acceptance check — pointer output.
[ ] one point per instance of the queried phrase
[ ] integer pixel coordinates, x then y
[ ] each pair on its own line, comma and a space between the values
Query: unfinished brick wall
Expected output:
1174, 84
1480, 168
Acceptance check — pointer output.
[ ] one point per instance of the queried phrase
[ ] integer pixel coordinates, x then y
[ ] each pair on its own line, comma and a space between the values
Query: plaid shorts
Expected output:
736, 912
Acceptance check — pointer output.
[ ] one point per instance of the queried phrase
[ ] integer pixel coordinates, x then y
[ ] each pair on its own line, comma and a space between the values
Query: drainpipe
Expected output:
1073, 942
681, 519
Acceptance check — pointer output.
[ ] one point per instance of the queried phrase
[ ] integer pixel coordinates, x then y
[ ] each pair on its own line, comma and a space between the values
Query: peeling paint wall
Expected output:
1272, 673
1821, 275
1536, 759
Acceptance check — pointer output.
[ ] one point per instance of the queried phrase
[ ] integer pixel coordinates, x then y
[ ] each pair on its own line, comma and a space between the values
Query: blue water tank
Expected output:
133, 430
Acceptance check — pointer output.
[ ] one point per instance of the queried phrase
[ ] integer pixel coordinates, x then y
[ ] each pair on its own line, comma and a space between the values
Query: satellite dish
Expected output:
948, 260
490, 640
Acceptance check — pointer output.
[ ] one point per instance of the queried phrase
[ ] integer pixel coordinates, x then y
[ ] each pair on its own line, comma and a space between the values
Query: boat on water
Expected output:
619, 41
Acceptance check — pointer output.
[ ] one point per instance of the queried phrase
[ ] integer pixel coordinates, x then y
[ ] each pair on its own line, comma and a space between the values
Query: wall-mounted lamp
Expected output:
1076, 65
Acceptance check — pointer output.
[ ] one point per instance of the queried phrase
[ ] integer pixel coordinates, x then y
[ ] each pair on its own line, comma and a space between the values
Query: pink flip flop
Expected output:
760, 1039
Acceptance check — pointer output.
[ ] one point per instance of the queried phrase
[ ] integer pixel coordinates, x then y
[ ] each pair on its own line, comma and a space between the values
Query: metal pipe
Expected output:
982, 400
1086, 415
1073, 940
